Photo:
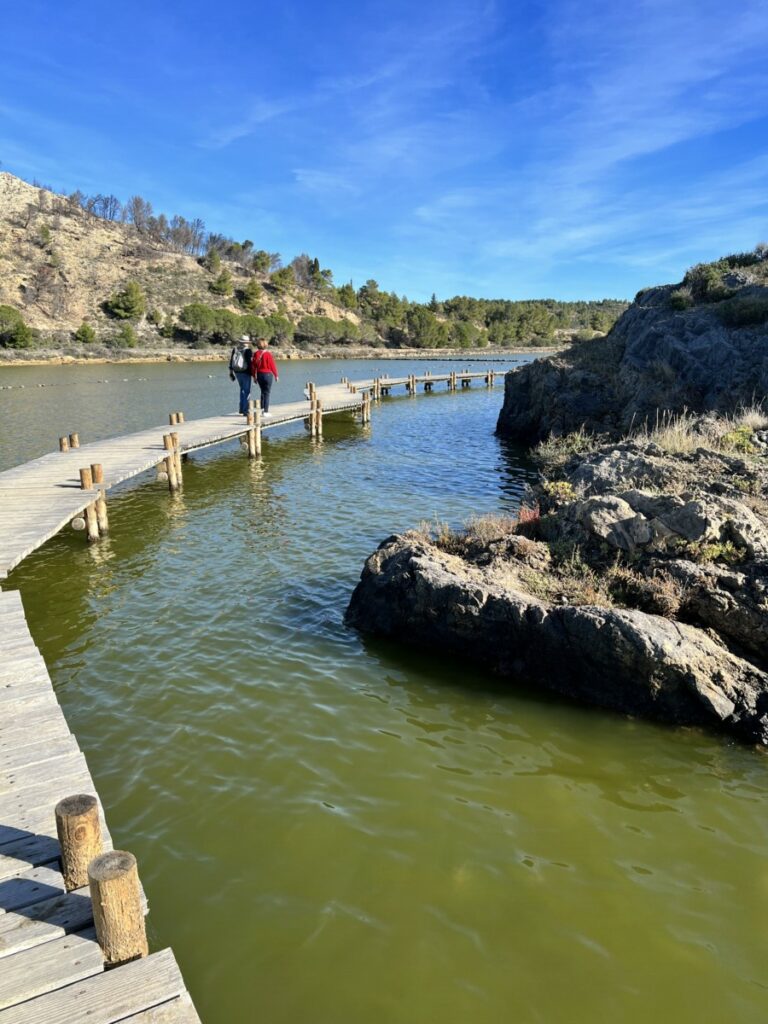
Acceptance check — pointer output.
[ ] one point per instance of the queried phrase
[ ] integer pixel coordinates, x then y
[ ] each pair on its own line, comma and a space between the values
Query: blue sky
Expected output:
564, 148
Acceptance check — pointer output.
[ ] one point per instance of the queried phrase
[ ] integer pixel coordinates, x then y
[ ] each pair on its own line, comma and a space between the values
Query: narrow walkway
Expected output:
51, 965
41, 497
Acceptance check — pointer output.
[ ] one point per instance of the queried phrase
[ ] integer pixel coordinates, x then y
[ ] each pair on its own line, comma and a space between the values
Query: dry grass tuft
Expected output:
556, 451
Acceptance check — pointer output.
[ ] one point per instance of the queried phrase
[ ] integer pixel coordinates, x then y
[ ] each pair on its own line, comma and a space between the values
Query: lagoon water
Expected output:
333, 830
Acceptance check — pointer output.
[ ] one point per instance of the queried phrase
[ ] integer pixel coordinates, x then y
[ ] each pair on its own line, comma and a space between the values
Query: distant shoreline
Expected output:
15, 358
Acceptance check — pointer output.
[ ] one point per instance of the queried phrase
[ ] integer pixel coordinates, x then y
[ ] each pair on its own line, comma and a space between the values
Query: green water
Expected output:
332, 830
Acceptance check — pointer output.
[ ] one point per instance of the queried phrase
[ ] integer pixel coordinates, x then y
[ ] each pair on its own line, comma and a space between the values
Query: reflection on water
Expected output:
336, 830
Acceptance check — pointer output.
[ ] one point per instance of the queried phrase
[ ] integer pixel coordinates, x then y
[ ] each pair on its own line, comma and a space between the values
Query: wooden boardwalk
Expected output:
51, 964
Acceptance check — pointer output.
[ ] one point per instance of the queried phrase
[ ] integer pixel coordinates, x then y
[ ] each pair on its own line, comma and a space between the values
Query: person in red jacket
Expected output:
264, 370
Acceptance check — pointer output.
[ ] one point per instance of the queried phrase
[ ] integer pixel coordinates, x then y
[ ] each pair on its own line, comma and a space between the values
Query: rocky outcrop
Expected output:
655, 359
623, 659
638, 581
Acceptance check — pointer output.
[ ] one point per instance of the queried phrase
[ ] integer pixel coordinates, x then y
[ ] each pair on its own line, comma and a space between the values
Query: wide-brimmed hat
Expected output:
245, 337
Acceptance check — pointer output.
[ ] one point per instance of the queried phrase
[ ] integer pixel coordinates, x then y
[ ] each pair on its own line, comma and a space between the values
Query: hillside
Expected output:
67, 261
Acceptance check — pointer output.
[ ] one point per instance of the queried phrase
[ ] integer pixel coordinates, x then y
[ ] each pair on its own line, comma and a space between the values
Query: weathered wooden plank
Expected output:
177, 1011
58, 914
105, 998
53, 727
28, 776
35, 886
22, 690
37, 750
23, 854
14, 806
42, 969
26, 697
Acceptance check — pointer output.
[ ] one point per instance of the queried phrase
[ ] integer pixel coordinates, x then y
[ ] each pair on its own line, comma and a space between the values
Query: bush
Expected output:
155, 317
85, 334
681, 299
324, 330
279, 329
283, 278
705, 282
14, 333
745, 312
125, 337
222, 285
129, 304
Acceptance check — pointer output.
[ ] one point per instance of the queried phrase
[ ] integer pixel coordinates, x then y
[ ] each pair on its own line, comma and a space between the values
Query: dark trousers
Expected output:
244, 380
265, 386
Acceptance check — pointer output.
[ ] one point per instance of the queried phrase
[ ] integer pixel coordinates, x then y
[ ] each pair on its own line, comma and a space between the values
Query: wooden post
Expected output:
63, 444
179, 417
257, 430
91, 522
74, 440
170, 463
117, 911
318, 418
79, 831
251, 435
177, 457
102, 519
313, 418
173, 418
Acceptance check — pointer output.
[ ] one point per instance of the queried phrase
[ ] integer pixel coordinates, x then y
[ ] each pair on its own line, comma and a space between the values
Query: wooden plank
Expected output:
22, 854
105, 998
29, 776
23, 690
16, 806
43, 922
177, 1011
54, 727
36, 751
42, 969
35, 886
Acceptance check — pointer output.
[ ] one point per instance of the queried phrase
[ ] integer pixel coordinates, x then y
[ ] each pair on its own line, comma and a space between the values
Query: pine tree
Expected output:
222, 285
85, 334
250, 297
129, 304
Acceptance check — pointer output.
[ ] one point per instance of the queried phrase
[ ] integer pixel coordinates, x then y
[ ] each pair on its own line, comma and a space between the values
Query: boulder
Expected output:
623, 659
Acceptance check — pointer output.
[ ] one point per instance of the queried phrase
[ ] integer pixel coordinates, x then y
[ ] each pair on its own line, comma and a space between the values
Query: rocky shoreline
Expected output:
635, 579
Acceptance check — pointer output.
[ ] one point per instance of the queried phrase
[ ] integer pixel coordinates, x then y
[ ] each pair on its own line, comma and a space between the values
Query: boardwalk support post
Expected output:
170, 463
257, 430
74, 440
179, 417
91, 522
173, 418
79, 831
117, 911
318, 418
64, 444
251, 435
102, 519
313, 417
177, 457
